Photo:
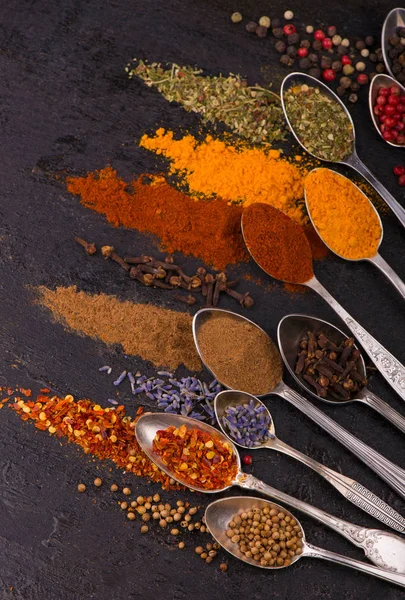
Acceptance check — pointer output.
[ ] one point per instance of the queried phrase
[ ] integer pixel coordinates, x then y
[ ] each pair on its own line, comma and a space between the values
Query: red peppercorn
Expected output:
362, 79
401, 179
389, 109
247, 459
346, 60
329, 75
383, 118
327, 43
289, 29
302, 52
395, 90
401, 139
384, 91
381, 100
319, 35
387, 135
389, 122
399, 170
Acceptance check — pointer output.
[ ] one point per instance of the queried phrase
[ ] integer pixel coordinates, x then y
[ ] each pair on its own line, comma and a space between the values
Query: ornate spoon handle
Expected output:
314, 552
390, 274
359, 536
349, 488
354, 162
383, 409
386, 363
391, 473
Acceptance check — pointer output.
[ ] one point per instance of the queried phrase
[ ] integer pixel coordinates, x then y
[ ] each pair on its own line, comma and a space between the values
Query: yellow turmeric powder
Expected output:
237, 174
342, 215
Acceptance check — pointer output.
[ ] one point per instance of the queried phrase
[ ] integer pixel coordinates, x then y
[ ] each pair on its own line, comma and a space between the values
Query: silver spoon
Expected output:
218, 515
394, 19
388, 471
344, 485
384, 549
386, 363
376, 83
290, 332
352, 160
377, 259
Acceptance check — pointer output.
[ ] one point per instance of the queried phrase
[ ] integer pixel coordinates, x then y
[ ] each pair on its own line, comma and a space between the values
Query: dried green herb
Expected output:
319, 122
254, 113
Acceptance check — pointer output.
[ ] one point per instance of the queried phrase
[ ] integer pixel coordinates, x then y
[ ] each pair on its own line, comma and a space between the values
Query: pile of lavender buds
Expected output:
177, 396
248, 424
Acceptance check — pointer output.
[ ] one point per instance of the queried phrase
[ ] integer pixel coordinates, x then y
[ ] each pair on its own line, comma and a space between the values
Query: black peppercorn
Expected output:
286, 60
372, 75
340, 90
345, 82
315, 72
326, 62
313, 58
380, 68
277, 32
353, 98
292, 51
276, 22
337, 66
293, 38
305, 63
373, 57
394, 40
369, 40
280, 46
360, 45
401, 31
354, 86
379, 53
342, 50
317, 45
251, 27
305, 44
401, 77
261, 31
396, 68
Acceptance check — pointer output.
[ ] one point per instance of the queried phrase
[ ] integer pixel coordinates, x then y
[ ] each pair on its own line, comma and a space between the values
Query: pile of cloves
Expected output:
329, 368
166, 275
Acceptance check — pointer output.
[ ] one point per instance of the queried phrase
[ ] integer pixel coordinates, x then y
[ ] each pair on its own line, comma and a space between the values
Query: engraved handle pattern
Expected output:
391, 473
383, 409
386, 363
349, 488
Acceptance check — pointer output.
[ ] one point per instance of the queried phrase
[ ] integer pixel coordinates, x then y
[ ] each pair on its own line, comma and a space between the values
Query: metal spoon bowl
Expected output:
391, 473
290, 331
378, 82
352, 160
394, 19
219, 514
377, 259
382, 548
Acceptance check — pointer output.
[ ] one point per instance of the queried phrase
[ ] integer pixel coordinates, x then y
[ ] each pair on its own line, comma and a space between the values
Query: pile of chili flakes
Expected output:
196, 457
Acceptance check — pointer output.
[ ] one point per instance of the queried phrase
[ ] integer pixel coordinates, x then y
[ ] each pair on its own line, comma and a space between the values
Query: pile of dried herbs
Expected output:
319, 122
254, 113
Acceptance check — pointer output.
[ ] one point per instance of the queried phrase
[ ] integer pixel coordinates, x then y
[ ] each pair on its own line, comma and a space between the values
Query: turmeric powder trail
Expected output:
237, 174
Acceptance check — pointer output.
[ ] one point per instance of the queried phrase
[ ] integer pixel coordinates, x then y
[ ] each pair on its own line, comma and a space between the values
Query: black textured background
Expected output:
66, 104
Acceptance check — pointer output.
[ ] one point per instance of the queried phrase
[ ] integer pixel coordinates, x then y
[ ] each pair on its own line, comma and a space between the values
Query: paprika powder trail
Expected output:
207, 229
106, 433
235, 173
159, 335
277, 243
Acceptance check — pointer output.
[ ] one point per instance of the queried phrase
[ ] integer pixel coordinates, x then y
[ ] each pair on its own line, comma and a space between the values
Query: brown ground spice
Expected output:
240, 355
159, 335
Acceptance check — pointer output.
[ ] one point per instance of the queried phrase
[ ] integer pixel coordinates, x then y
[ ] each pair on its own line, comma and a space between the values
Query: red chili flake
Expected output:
196, 457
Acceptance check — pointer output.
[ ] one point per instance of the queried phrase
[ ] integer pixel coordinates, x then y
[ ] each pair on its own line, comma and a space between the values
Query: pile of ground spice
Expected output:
103, 432
236, 173
240, 355
207, 229
159, 335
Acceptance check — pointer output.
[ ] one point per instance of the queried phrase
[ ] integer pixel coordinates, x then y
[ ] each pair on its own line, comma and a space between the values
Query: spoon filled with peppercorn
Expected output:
234, 522
241, 356
346, 220
323, 126
246, 421
280, 247
386, 100
328, 364
392, 33
179, 447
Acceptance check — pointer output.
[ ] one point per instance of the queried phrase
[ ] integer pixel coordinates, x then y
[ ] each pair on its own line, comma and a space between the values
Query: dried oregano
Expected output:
254, 113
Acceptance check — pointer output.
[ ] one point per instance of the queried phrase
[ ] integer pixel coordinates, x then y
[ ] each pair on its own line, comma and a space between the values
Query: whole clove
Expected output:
89, 248
109, 252
189, 300
331, 369
209, 280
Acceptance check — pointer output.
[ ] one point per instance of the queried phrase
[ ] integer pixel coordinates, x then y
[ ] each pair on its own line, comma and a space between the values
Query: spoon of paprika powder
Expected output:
280, 247
384, 549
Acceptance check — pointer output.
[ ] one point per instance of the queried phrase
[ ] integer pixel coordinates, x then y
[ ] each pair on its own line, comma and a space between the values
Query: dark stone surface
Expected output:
66, 104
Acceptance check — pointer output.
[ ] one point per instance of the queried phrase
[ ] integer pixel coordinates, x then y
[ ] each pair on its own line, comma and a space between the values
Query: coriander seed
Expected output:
144, 529
163, 523
131, 516
199, 550
114, 487
98, 481
174, 531
124, 505
181, 545
81, 487
223, 567
126, 491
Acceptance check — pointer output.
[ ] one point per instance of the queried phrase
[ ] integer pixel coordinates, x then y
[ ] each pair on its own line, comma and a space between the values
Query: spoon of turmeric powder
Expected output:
346, 220
280, 247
